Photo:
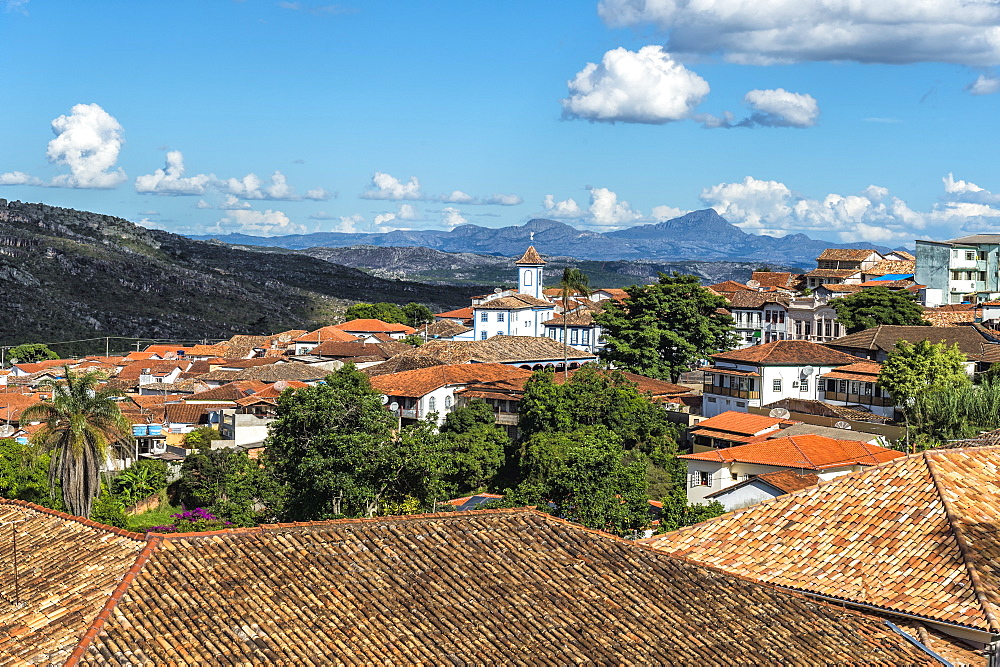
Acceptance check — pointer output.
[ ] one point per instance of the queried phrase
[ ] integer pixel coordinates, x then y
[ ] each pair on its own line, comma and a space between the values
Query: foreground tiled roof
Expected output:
789, 480
474, 588
807, 452
892, 266
758, 299
67, 571
788, 352
915, 536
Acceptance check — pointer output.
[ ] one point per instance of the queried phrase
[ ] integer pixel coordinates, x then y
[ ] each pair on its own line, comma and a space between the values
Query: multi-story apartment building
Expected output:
959, 270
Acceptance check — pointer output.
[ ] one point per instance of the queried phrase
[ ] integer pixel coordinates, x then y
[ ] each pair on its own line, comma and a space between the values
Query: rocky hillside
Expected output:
69, 274
698, 236
443, 268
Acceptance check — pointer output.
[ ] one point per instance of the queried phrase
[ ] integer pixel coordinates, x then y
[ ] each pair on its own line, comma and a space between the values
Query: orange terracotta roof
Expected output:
863, 371
730, 286
530, 256
892, 266
460, 314
812, 452
788, 353
846, 289
140, 356
228, 392
915, 536
166, 349
324, 334
420, 382
742, 423
374, 326
782, 279
833, 273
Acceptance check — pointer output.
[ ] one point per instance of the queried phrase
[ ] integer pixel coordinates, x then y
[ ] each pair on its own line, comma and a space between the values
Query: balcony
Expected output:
857, 399
507, 418
729, 391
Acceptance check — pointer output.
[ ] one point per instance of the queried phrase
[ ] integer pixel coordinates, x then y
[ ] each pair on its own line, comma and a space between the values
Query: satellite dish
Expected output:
497, 290
807, 371
843, 425
779, 413
385, 399
394, 406
753, 284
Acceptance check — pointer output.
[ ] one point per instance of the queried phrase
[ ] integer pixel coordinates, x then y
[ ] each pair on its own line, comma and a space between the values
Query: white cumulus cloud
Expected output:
605, 210
388, 187
171, 180
985, 85
767, 31
87, 141
770, 108
19, 178
647, 86
256, 223
451, 217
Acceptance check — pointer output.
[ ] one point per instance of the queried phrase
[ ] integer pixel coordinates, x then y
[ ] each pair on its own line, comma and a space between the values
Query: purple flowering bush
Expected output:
197, 520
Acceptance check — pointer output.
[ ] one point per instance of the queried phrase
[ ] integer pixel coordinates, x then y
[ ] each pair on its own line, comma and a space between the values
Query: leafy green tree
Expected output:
916, 370
139, 481
417, 314
335, 451
23, 476
473, 447
413, 339
574, 282
29, 353
228, 483
663, 329
80, 426
201, 437
878, 305
912, 369
109, 510
585, 476
594, 396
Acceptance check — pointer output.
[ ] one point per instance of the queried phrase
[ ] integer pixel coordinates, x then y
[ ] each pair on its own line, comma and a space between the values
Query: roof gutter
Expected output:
905, 635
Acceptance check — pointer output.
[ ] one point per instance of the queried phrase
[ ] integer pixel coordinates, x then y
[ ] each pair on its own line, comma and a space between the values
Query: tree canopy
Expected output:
335, 451
473, 448
878, 305
29, 353
412, 314
227, 483
23, 475
912, 369
663, 329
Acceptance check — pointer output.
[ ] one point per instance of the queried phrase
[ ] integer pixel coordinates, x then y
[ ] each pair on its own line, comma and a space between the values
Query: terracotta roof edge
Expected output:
78, 519
97, 625
964, 548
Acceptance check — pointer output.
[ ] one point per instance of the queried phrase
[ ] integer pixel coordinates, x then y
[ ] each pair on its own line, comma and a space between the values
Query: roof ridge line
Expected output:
102, 618
964, 548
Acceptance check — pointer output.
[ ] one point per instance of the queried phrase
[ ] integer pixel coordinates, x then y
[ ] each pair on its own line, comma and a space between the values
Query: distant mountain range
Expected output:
72, 274
443, 268
699, 235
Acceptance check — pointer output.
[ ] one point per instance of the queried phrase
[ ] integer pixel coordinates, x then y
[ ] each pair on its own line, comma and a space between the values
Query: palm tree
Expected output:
81, 424
573, 282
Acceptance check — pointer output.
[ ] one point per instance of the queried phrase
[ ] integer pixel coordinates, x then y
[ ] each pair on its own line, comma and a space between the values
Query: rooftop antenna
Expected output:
13, 532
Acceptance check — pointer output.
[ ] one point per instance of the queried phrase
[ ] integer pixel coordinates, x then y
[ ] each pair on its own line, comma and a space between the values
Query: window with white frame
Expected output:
527, 278
804, 384
447, 402
704, 478
499, 317
484, 317
431, 404
776, 385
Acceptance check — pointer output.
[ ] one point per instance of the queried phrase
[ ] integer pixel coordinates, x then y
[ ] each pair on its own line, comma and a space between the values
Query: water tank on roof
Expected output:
139, 429
156, 429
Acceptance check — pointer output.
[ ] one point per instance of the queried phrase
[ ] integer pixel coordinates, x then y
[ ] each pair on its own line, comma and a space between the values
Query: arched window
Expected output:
447, 402
527, 277
431, 404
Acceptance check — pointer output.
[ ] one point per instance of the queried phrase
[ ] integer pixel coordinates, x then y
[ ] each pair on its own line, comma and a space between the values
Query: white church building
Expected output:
510, 313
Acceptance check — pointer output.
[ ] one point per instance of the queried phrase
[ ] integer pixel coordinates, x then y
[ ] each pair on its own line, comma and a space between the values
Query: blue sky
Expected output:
265, 117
